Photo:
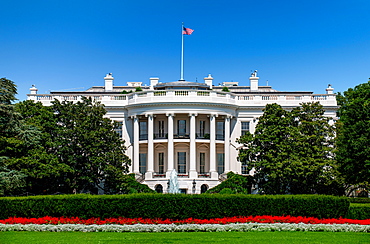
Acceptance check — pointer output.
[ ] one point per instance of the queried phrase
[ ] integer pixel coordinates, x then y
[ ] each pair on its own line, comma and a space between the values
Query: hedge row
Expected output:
358, 211
359, 200
174, 206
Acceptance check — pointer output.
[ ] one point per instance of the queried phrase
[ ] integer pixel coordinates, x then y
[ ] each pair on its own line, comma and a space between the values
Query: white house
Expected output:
187, 126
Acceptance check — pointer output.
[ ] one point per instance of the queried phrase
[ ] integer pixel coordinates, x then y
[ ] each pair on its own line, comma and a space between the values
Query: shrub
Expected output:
174, 206
138, 89
130, 186
358, 211
236, 183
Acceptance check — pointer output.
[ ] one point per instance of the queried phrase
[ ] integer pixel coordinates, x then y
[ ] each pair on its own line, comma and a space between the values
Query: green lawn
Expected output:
190, 237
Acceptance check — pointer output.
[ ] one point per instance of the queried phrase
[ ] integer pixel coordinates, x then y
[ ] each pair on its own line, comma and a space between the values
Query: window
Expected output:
202, 125
220, 163
244, 168
161, 163
245, 128
202, 163
159, 188
203, 188
220, 130
118, 128
143, 130
181, 162
181, 127
161, 129
142, 163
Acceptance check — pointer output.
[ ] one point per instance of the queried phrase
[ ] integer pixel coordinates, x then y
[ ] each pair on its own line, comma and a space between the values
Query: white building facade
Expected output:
187, 126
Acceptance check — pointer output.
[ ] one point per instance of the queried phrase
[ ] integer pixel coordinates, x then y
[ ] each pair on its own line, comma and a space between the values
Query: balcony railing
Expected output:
159, 175
191, 96
181, 136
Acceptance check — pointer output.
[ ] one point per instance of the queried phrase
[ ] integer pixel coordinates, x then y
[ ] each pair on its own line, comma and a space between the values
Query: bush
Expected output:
130, 186
359, 200
235, 183
174, 206
358, 211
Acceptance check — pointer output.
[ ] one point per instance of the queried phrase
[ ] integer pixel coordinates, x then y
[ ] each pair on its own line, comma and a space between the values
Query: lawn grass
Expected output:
189, 237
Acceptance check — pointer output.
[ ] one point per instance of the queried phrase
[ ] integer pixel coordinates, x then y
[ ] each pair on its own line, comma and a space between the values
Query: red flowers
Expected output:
225, 220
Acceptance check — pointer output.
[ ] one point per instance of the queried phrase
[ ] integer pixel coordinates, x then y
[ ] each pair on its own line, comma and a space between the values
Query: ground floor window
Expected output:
244, 169
220, 163
202, 163
142, 163
161, 163
159, 188
181, 162
203, 188
183, 191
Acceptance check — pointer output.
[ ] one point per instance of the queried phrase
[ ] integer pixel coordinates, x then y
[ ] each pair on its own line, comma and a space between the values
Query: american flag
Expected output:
187, 31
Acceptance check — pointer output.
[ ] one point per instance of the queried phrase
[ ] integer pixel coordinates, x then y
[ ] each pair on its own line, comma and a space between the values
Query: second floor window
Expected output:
161, 129
202, 125
181, 127
220, 130
245, 128
143, 130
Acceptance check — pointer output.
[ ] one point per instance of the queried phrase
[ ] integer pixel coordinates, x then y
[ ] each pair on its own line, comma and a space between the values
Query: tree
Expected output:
291, 151
353, 134
88, 144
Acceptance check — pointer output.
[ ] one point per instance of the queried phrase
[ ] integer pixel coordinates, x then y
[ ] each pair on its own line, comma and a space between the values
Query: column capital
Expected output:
149, 115
213, 115
134, 116
170, 114
193, 114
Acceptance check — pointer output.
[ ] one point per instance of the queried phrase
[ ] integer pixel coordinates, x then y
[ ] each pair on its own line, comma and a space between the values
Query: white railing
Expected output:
192, 96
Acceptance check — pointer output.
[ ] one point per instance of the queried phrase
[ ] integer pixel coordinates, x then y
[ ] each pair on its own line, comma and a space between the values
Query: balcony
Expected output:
181, 136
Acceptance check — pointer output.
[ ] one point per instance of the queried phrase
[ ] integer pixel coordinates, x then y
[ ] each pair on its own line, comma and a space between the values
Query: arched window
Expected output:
203, 188
159, 188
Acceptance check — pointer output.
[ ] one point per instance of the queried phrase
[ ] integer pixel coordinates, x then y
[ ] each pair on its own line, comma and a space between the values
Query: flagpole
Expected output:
182, 53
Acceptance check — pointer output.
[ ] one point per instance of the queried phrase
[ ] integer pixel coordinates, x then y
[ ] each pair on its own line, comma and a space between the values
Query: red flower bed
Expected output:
226, 220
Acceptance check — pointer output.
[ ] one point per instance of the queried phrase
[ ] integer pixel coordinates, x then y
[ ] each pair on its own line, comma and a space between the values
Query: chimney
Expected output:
208, 80
254, 81
33, 90
109, 82
153, 82
329, 90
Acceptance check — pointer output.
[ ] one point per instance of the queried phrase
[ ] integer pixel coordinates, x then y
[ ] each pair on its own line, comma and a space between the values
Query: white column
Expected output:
170, 145
136, 145
193, 151
212, 147
227, 144
150, 156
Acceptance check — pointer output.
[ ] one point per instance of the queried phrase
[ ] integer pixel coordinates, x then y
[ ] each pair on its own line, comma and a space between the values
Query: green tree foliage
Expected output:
87, 143
34, 154
353, 134
233, 184
11, 181
291, 152
225, 89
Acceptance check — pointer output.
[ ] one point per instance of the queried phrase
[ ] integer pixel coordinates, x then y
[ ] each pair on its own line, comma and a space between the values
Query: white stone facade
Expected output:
187, 126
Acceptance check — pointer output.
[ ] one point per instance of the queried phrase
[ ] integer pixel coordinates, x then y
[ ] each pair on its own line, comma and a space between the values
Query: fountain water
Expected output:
174, 183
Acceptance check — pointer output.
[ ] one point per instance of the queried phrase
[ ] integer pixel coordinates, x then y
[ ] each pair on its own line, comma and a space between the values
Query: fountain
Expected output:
174, 183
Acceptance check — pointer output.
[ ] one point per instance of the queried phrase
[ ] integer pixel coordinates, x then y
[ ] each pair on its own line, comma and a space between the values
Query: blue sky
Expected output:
295, 45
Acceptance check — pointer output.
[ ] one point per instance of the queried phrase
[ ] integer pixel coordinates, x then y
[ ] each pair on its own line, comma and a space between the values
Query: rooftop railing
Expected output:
174, 96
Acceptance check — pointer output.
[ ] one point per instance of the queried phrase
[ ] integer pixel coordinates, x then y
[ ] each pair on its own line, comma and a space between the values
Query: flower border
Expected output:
245, 227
